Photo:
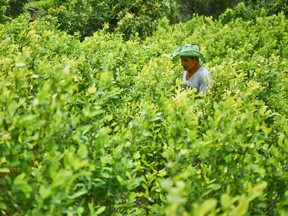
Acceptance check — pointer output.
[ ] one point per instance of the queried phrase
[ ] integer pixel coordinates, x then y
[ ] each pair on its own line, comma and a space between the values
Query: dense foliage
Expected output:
186, 8
85, 17
102, 126
128, 17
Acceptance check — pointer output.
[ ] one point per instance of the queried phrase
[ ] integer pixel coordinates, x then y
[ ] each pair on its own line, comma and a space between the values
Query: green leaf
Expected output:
3, 206
92, 90
20, 183
242, 207
4, 170
206, 207
167, 184
78, 194
45, 191
82, 151
100, 210
225, 201
62, 178
256, 191
137, 155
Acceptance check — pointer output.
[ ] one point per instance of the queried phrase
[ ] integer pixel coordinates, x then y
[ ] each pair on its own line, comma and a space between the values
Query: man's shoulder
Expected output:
203, 71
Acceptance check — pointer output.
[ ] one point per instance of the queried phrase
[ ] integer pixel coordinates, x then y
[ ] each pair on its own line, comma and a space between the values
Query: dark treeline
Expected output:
214, 8
127, 17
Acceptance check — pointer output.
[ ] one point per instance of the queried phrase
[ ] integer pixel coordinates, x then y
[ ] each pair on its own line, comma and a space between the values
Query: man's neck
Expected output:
194, 70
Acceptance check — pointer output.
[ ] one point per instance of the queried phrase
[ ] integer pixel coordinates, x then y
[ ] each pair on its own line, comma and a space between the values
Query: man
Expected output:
194, 74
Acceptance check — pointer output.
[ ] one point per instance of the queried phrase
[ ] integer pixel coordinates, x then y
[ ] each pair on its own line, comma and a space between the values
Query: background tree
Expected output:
3, 8
15, 7
84, 17
186, 8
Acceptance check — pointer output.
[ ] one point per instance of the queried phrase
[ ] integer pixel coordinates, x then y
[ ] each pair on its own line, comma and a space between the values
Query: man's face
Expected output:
188, 63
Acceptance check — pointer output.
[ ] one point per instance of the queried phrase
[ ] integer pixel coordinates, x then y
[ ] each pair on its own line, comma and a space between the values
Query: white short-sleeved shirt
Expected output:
201, 80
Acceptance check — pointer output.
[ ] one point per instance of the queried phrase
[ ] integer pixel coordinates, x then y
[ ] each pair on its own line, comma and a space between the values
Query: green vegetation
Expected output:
186, 8
101, 126
83, 18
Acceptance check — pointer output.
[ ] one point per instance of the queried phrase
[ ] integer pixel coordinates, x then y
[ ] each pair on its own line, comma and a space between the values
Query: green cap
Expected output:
188, 50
